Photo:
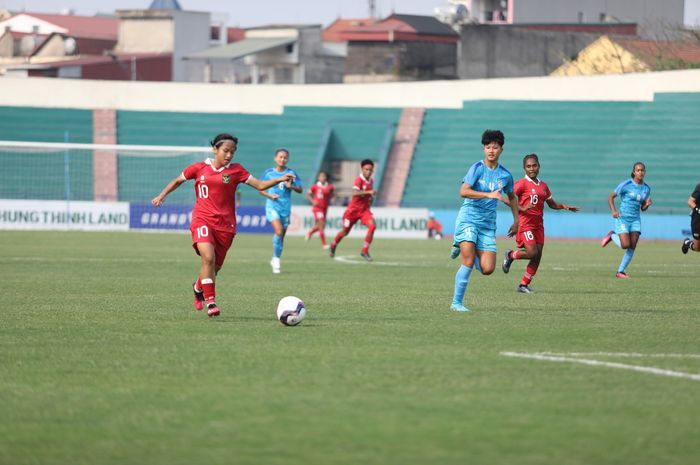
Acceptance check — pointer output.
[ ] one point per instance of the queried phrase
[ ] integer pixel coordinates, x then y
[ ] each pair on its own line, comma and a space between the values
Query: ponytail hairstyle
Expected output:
532, 155
223, 137
637, 164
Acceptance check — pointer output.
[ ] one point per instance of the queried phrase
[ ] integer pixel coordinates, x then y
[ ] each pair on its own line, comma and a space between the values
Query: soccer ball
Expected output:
291, 311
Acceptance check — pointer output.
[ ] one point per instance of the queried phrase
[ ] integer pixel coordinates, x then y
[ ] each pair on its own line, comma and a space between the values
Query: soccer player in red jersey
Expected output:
213, 224
532, 193
358, 209
320, 195
434, 227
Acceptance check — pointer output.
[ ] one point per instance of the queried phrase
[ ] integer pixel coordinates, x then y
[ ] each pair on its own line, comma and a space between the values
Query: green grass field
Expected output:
104, 361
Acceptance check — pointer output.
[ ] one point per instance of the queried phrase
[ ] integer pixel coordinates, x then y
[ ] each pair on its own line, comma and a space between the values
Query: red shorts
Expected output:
529, 235
319, 213
222, 240
351, 217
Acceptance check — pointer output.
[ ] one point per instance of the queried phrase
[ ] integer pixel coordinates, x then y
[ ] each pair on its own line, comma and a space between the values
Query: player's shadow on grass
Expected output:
236, 318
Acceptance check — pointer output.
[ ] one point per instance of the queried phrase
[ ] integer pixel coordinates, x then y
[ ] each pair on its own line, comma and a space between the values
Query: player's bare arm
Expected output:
611, 204
172, 185
646, 204
310, 198
290, 185
263, 185
268, 195
467, 192
554, 205
513, 230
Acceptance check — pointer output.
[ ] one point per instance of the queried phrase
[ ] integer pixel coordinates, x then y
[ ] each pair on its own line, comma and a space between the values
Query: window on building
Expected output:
284, 75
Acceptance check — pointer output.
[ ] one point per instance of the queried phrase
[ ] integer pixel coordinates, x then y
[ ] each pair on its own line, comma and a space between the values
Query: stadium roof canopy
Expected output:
242, 48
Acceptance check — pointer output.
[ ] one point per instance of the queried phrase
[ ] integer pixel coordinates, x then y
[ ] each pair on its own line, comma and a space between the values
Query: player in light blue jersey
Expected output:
278, 207
635, 197
475, 229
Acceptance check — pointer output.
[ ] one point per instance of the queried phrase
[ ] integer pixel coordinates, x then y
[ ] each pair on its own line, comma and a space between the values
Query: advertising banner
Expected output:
55, 215
177, 217
404, 223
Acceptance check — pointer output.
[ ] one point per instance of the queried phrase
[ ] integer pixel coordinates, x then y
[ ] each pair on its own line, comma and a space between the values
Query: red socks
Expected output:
529, 274
368, 238
208, 288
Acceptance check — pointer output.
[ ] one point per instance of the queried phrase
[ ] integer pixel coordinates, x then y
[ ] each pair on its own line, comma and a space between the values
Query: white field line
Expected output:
622, 366
618, 354
361, 261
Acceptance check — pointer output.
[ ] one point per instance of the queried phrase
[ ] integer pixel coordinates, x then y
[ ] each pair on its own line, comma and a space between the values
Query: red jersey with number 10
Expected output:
535, 193
361, 203
321, 193
215, 191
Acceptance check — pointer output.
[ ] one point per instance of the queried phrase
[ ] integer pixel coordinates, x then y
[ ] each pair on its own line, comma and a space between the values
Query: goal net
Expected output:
93, 172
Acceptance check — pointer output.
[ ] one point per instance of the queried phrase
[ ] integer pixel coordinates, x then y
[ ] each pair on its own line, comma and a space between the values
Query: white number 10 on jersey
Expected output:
202, 191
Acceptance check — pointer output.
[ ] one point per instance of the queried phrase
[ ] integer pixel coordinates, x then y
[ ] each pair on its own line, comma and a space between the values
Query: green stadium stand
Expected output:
56, 174
585, 148
46, 124
313, 136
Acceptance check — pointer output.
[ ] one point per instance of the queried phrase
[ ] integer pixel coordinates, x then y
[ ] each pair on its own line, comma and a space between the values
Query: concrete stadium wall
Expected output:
269, 99
489, 51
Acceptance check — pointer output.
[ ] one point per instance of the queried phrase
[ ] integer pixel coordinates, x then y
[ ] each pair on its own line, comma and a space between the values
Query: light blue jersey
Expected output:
632, 197
283, 205
482, 212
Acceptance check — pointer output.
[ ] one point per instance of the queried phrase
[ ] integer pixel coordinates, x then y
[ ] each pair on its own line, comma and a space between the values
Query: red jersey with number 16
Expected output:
361, 203
215, 191
535, 193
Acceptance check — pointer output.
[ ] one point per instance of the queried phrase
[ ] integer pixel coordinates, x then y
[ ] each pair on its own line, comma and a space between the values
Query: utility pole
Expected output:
372, 8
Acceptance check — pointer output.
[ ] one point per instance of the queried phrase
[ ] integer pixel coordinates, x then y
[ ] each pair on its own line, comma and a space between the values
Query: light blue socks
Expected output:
616, 239
626, 259
277, 244
461, 282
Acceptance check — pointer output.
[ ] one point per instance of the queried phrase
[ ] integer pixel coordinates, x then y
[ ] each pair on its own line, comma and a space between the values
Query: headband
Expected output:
224, 140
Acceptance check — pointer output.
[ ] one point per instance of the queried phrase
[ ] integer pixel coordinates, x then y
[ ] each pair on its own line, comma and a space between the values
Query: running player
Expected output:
635, 196
278, 206
320, 195
358, 209
213, 224
475, 230
532, 193
694, 203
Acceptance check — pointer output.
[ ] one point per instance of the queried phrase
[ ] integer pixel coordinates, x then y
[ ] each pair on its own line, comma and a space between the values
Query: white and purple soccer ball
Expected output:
291, 311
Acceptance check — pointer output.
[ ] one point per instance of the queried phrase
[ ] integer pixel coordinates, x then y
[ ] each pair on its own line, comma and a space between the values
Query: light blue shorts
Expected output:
483, 239
623, 226
271, 214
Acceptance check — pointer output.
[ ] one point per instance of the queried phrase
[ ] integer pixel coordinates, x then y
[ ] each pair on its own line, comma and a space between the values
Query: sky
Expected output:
244, 13
248, 13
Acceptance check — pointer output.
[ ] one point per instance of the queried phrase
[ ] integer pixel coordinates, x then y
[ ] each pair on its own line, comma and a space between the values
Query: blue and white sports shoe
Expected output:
458, 308
455, 252
507, 261
525, 289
